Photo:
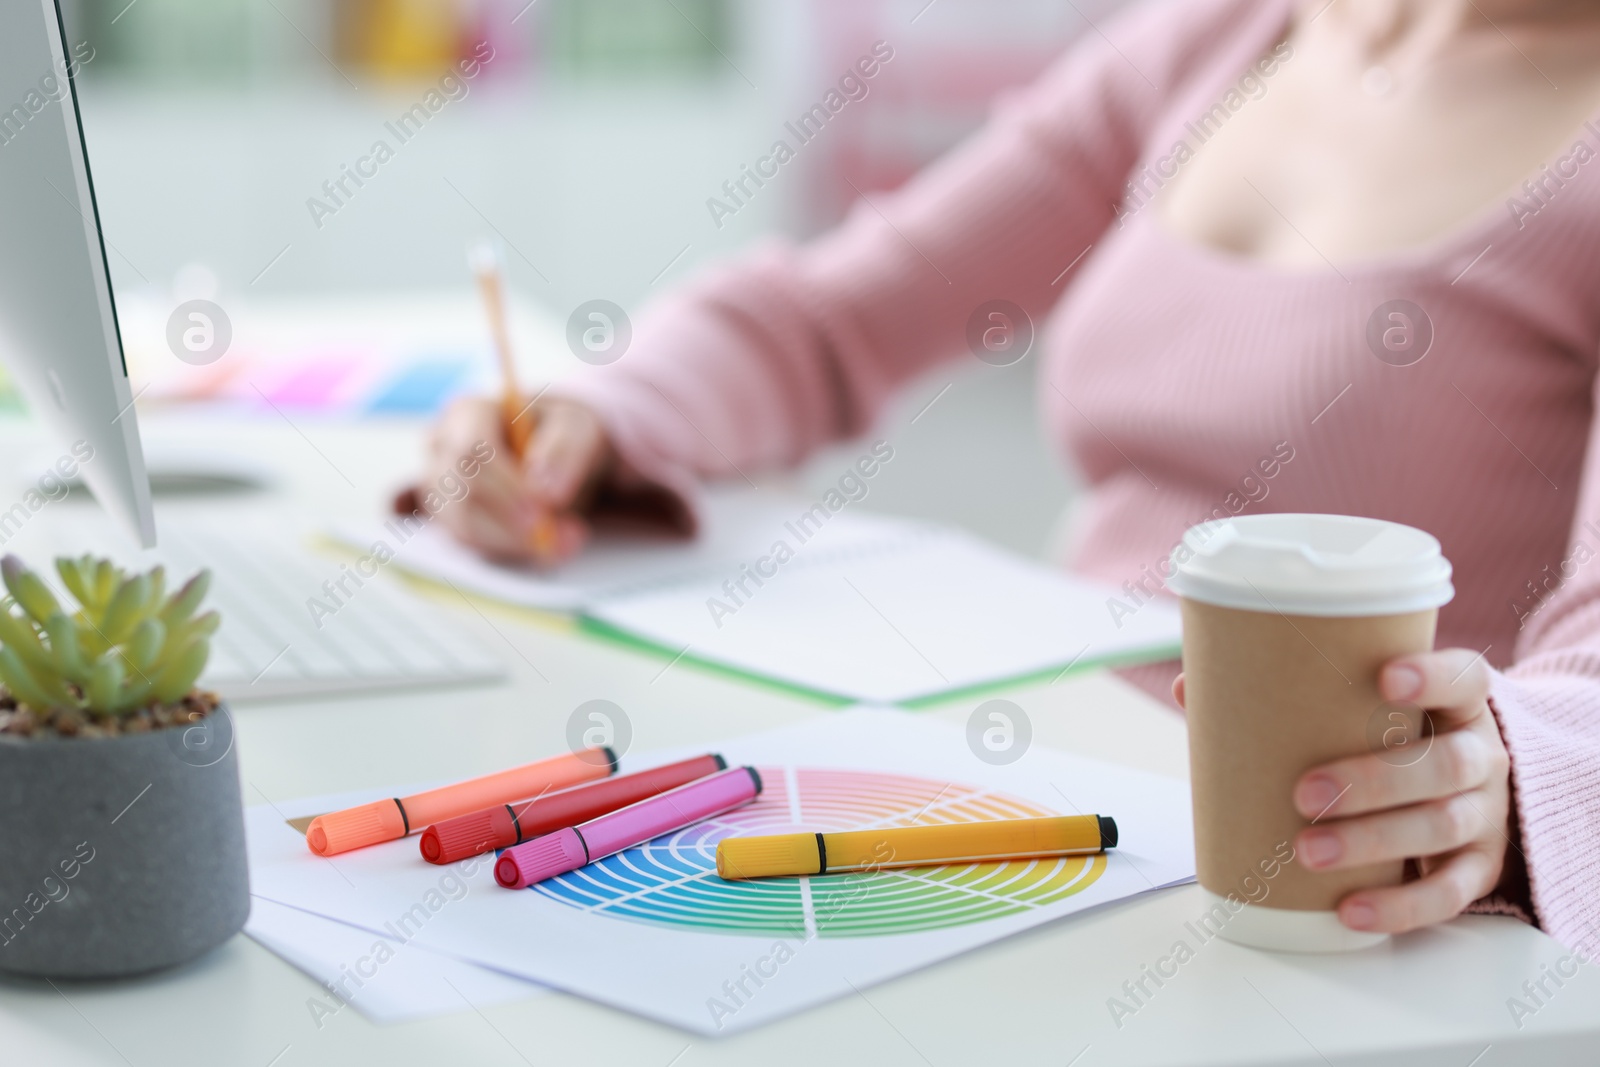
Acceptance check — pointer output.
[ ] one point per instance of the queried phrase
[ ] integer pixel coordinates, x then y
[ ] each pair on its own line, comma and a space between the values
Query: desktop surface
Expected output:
1436, 997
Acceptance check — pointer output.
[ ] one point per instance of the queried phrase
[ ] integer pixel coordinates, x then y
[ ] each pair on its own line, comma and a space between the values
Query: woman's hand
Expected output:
528, 511
1450, 810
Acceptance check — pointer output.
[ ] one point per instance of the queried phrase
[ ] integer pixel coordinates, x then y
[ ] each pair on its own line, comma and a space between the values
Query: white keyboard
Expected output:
380, 637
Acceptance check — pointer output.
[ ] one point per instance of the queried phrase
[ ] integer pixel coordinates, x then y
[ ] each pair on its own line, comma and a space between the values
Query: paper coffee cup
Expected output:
1287, 620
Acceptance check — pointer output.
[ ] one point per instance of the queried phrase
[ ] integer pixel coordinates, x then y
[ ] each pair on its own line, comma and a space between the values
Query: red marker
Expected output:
572, 847
505, 825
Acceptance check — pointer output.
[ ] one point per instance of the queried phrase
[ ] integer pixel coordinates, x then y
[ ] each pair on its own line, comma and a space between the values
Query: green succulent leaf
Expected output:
123, 613
90, 636
34, 596
186, 601
158, 589
106, 577
17, 634
36, 687
203, 625
65, 648
73, 576
144, 645
126, 645
105, 690
181, 672
21, 683
136, 692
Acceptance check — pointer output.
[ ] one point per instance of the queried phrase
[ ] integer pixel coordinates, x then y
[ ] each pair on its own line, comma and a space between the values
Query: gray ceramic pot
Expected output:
120, 855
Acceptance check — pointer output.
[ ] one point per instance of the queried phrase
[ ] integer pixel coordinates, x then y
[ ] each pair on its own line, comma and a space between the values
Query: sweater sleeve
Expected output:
1548, 708
757, 363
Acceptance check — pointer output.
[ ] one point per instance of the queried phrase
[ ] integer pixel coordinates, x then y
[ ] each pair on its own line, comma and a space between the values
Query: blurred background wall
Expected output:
590, 143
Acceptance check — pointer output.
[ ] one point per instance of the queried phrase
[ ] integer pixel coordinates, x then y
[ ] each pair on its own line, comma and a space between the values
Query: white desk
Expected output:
1437, 997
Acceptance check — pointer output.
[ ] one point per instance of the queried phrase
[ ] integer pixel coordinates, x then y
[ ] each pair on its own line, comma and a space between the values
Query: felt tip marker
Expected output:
790, 855
505, 825
571, 848
397, 817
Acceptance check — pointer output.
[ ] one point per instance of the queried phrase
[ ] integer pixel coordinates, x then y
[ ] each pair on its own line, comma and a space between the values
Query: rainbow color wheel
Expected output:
672, 880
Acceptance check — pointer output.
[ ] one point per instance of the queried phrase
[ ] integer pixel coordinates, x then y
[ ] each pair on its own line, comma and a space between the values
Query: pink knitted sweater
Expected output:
1176, 377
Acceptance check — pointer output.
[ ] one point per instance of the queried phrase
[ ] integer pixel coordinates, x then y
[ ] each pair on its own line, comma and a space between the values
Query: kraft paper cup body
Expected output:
1287, 620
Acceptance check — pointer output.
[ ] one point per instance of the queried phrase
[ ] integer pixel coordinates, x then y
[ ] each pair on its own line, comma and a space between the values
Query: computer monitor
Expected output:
58, 320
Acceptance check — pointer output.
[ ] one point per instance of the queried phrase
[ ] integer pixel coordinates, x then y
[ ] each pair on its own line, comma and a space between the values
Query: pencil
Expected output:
517, 418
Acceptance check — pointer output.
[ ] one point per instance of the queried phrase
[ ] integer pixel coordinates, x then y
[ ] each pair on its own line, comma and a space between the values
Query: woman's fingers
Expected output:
567, 453
467, 424
1428, 829
572, 534
487, 532
468, 457
496, 488
470, 466
1436, 897
489, 510
546, 541
1451, 763
502, 510
1452, 684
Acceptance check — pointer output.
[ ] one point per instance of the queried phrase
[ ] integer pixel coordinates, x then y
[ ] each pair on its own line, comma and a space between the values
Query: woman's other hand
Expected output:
1448, 810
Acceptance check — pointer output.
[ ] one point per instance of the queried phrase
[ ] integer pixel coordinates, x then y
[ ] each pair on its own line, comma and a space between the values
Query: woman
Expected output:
1362, 234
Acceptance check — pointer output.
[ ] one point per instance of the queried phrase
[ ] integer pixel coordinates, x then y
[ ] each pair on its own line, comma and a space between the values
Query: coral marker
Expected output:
505, 825
392, 819
571, 848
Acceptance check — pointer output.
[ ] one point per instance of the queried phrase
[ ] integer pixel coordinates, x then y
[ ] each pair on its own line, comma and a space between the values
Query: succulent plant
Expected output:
128, 645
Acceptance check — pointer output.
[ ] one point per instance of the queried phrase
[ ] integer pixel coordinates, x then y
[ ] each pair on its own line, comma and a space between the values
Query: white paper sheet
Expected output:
655, 932
849, 604
938, 612
385, 979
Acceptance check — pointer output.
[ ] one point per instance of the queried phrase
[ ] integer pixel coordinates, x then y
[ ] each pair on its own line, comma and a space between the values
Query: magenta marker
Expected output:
567, 850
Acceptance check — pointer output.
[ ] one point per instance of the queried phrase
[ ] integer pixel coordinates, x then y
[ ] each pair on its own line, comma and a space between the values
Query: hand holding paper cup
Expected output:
1287, 620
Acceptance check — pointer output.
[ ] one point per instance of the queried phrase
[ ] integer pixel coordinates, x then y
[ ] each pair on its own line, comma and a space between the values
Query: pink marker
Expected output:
567, 850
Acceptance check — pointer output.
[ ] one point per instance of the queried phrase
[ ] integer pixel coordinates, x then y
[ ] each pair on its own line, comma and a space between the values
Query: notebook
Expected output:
843, 606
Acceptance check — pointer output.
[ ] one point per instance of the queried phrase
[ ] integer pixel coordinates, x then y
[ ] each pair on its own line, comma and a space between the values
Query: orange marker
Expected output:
390, 820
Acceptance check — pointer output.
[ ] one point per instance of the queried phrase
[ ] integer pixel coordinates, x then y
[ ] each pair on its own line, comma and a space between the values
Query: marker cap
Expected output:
764, 857
504, 825
541, 858
469, 835
369, 824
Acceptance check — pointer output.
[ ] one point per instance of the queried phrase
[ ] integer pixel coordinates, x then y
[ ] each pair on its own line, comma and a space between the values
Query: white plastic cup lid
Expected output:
1327, 565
